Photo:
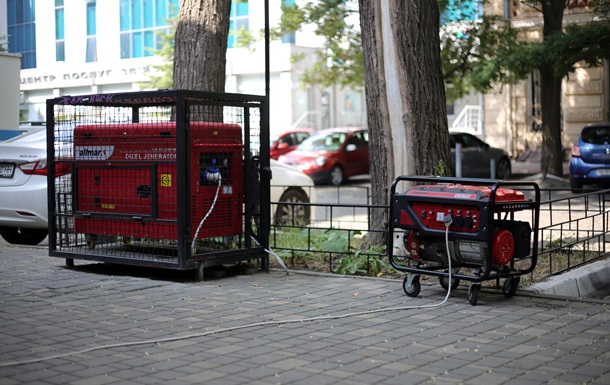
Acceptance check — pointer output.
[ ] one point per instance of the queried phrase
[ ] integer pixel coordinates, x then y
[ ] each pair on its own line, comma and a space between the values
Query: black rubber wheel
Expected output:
444, 281
413, 289
23, 236
473, 294
336, 176
503, 170
575, 185
293, 214
510, 286
70, 262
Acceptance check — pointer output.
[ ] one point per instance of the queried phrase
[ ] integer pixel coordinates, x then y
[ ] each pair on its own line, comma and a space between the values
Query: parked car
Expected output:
477, 155
590, 161
290, 186
8, 134
287, 141
332, 155
23, 189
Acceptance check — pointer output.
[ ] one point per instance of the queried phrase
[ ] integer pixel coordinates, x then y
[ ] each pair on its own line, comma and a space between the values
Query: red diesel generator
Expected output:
468, 224
125, 180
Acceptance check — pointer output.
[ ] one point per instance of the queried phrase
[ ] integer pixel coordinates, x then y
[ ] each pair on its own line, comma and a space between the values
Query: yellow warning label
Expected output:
108, 206
166, 180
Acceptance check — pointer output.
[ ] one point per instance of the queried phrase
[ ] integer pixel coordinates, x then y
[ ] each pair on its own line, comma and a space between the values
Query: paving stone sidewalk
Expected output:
101, 324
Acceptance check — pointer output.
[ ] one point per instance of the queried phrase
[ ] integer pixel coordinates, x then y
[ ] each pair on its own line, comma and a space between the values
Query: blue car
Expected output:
591, 157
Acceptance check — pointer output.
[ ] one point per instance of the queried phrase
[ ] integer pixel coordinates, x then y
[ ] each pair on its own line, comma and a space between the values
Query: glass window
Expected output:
596, 135
140, 22
91, 49
21, 30
239, 19
60, 51
289, 37
60, 54
91, 18
148, 12
461, 10
91, 52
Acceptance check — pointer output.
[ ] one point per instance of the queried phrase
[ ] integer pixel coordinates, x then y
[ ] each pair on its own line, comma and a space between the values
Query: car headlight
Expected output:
320, 161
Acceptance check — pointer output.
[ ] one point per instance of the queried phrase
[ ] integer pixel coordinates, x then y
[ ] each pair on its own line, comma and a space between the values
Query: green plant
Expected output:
363, 262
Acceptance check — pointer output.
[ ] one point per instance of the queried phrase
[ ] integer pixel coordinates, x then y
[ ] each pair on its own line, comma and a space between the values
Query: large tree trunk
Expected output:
550, 99
405, 94
201, 45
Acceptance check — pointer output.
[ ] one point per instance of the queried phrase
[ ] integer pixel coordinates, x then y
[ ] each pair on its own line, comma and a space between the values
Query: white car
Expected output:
23, 190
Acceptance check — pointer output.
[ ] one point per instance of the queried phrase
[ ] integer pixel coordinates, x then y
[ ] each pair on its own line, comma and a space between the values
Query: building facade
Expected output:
80, 47
512, 112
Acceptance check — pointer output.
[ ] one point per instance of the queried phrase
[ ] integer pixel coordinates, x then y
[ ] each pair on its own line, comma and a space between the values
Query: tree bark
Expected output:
550, 96
201, 45
405, 95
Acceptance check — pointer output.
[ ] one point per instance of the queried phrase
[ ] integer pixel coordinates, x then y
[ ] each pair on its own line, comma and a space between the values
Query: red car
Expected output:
332, 156
288, 141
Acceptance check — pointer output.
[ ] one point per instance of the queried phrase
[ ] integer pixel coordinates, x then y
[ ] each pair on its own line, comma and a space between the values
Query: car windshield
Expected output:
273, 138
324, 142
596, 135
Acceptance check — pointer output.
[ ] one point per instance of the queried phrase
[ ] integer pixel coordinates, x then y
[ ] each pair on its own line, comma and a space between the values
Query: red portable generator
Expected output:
125, 179
471, 220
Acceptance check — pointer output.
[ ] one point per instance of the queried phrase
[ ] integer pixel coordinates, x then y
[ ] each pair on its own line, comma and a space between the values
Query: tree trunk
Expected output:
405, 95
550, 96
550, 99
201, 45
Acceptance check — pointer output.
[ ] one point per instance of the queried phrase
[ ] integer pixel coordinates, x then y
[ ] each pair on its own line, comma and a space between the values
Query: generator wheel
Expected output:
413, 289
473, 293
444, 281
510, 286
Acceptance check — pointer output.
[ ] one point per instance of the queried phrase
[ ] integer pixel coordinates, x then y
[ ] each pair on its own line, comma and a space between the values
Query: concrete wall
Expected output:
10, 66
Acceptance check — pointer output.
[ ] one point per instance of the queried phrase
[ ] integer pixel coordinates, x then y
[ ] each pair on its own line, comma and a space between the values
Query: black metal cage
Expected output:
170, 179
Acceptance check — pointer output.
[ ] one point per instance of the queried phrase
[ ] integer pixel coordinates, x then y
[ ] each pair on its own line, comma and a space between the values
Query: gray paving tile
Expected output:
47, 310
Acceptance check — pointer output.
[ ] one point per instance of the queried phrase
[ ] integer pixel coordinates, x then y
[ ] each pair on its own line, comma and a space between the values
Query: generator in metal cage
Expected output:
451, 225
171, 179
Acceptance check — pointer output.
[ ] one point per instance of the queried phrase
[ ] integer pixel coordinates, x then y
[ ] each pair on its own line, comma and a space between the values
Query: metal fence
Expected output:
573, 231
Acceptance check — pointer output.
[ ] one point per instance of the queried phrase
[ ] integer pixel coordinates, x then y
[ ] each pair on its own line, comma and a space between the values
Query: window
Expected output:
238, 20
21, 29
461, 10
91, 54
289, 37
60, 48
536, 112
140, 20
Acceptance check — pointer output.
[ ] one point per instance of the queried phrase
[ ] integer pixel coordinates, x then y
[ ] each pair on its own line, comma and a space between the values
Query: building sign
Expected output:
35, 79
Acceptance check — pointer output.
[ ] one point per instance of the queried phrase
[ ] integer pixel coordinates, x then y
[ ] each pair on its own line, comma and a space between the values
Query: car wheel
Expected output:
336, 176
293, 214
575, 185
503, 170
23, 236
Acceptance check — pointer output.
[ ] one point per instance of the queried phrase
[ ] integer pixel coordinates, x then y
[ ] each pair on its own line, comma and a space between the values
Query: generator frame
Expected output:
182, 108
488, 209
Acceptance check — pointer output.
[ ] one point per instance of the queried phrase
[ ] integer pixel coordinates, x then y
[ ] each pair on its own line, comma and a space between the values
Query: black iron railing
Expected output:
573, 231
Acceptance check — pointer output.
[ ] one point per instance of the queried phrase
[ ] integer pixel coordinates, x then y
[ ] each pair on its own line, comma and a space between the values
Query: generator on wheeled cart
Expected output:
456, 229
165, 179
